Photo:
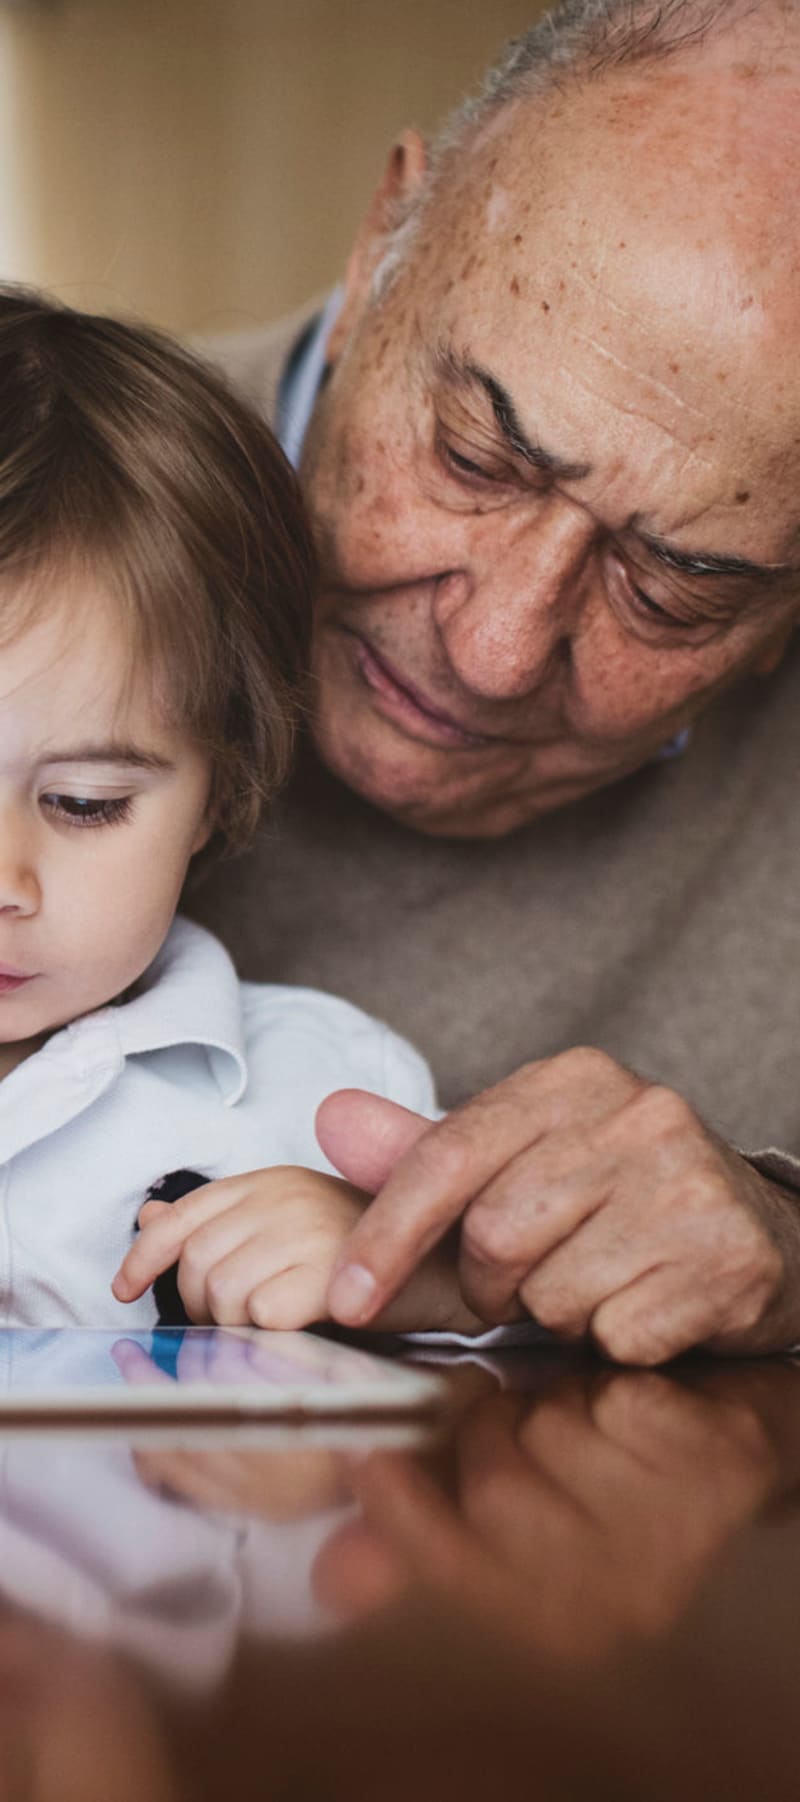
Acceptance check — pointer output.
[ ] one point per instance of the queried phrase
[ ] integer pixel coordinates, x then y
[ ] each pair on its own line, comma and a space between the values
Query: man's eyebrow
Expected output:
711, 563
129, 755
467, 373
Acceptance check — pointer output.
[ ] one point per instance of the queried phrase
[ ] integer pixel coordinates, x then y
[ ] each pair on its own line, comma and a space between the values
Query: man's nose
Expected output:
507, 619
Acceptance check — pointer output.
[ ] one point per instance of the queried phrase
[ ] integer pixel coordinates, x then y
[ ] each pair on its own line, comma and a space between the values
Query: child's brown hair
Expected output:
122, 453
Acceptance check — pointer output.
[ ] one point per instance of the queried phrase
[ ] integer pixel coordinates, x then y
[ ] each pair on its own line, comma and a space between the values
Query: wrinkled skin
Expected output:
639, 325
580, 378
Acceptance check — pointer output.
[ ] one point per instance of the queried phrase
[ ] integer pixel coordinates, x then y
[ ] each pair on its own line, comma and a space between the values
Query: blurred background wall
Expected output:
203, 163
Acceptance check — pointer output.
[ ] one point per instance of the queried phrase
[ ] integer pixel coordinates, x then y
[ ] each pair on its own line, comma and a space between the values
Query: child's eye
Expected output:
80, 810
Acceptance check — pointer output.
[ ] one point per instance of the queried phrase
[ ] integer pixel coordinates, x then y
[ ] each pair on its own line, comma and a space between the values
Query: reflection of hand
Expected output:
254, 1249
272, 1485
597, 1200
279, 1486
591, 1516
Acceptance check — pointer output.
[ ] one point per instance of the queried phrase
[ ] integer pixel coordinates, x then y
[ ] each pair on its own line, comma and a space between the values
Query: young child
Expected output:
155, 585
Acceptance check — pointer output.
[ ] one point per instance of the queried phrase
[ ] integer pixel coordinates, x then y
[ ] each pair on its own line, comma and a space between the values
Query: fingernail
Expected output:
120, 1288
351, 1293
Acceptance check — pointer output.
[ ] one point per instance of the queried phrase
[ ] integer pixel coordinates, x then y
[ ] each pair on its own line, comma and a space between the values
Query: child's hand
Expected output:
251, 1250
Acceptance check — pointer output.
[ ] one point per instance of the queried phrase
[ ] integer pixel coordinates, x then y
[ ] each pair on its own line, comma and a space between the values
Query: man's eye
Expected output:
81, 811
463, 464
653, 609
460, 465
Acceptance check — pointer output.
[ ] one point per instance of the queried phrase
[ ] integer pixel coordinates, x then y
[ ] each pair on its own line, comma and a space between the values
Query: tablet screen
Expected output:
201, 1370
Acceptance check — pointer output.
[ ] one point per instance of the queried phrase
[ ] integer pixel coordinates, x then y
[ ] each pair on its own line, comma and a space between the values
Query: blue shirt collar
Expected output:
302, 379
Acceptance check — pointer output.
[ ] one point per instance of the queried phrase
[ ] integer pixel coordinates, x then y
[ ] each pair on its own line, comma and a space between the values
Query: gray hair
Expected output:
583, 39
576, 40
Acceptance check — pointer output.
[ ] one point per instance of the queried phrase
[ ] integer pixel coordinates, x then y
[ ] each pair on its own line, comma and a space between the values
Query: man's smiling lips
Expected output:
401, 702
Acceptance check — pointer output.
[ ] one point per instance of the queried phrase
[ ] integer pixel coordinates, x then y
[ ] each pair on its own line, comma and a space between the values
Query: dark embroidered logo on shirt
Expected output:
171, 1311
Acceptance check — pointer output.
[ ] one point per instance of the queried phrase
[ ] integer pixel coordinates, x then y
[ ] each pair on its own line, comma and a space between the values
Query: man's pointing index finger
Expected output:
432, 1184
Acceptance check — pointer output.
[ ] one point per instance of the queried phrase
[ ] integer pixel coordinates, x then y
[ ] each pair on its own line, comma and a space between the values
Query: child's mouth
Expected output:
11, 980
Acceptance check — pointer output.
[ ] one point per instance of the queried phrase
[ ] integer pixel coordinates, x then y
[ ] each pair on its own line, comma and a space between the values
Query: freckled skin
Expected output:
659, 367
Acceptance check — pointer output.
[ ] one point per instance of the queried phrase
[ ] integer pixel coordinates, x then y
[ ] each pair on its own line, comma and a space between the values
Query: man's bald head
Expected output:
557, 467
578, 43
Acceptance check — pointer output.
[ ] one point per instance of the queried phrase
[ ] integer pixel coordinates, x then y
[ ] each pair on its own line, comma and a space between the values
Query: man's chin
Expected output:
422, 789
409, 784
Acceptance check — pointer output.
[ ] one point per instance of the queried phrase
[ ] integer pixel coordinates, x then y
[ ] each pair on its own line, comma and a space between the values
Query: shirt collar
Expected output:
190, 995
302, 378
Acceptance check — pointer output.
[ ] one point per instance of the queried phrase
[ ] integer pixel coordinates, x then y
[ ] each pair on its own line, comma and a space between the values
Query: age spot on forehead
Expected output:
742, 495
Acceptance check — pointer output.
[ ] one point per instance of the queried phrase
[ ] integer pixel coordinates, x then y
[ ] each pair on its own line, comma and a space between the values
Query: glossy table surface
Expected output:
579, 1583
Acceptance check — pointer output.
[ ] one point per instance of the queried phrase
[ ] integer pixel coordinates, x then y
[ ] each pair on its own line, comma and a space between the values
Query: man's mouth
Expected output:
403, 703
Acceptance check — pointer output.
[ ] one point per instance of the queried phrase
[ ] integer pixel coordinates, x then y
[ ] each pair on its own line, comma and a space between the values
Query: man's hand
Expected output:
594, 1200
259, 1250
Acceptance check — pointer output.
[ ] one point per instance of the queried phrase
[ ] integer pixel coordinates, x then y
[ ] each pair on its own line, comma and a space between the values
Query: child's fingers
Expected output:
257, 1262
292, 1299
151, 1211
219, 1263
165, 1231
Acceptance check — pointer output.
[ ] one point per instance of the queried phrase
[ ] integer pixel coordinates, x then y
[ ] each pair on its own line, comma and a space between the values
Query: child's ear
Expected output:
205, 831
393, 199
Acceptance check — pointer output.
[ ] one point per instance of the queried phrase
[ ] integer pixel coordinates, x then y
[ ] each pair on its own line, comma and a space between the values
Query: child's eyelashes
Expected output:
83, 811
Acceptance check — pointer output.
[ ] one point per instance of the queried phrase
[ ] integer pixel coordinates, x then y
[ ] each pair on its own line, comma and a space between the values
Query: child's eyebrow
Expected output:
130, 755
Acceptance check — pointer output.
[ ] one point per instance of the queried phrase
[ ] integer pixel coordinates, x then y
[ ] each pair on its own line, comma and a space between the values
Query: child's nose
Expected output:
19, 885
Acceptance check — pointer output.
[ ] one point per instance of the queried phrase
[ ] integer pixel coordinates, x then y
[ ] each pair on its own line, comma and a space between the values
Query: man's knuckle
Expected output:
585, 1063
490, 1236
553, 1308
662, 1113
750, 1308
628, 1340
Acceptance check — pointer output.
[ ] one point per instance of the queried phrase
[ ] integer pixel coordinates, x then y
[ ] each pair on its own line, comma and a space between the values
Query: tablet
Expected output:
221, 1372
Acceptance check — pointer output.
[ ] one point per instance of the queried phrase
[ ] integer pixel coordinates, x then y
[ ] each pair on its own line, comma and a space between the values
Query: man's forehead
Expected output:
601, 312
713, 134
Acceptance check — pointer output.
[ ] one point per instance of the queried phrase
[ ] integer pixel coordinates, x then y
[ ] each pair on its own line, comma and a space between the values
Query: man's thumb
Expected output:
365, 1135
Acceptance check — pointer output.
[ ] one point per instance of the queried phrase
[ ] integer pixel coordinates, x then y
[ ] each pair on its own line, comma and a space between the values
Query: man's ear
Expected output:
773, 652
392, 201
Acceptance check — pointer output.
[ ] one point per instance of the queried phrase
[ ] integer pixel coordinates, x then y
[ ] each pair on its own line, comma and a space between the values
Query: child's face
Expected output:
102, 804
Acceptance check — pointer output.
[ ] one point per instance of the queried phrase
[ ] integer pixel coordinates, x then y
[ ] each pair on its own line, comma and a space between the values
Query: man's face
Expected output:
556, 470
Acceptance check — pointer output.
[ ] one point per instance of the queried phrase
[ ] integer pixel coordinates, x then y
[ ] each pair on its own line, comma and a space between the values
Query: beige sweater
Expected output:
657, 919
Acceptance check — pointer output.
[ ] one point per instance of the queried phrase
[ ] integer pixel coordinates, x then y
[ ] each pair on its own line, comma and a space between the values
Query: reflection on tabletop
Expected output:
572, 1517
563, 1516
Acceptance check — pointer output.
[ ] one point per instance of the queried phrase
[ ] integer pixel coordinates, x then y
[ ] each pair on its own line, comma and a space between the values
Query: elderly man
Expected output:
553, 459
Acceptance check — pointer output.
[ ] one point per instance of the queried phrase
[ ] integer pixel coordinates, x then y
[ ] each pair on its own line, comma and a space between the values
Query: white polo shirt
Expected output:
196, 1072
